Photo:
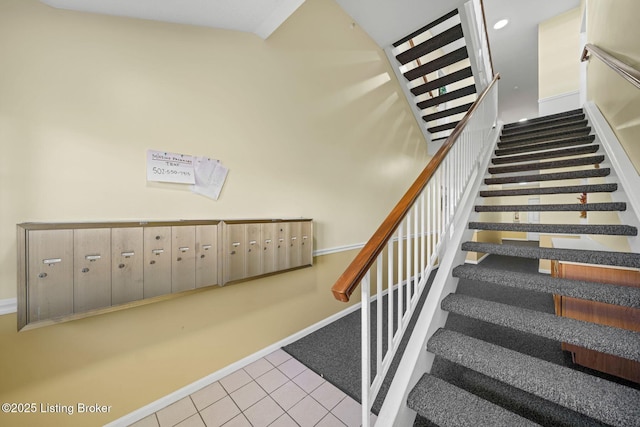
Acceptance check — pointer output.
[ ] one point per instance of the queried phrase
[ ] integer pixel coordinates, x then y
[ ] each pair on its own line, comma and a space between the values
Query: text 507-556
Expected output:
163, 171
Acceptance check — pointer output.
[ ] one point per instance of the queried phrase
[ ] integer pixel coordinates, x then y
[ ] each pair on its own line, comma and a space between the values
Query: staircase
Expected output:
480, 383
434, 64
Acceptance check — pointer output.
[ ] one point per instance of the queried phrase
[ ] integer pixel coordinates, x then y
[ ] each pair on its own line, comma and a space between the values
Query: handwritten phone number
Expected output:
163, 171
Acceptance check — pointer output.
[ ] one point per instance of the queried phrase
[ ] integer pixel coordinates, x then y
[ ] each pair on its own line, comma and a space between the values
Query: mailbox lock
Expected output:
232, 252
152, 262
42, 275
202, 256
121, 266
179, 258
157, 237
85, 270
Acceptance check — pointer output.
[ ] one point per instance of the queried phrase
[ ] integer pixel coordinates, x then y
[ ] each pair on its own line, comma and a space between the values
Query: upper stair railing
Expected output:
625, 70
398, 259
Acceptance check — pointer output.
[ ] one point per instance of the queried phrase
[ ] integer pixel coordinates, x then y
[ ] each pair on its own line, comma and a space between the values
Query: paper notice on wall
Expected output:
210, 175
170, 167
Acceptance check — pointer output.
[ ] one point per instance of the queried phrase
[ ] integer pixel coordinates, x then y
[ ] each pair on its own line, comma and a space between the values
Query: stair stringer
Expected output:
416, 360
623, 172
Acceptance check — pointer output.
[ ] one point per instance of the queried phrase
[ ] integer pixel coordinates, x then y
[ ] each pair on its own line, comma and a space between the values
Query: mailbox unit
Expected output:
71, 270
254, 248
65, 270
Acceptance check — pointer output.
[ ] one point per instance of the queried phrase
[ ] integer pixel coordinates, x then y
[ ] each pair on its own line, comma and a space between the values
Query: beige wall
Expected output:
310, 122
559, 54
613, 26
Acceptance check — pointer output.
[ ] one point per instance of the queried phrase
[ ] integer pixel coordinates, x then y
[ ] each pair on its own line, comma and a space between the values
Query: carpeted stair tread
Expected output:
600, 229
533, 138
593, 188
539, 146
544, 120
585, 173
558, 139
593, 336
449, 406
564, 152
627, 296
620, 259
574, 207
580, 161
606, 401
549, 128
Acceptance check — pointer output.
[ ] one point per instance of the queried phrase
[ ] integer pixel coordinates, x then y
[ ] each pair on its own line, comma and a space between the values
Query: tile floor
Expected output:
275, 391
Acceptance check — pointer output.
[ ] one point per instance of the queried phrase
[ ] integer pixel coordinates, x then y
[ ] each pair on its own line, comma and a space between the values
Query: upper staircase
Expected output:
477, 379
433, 62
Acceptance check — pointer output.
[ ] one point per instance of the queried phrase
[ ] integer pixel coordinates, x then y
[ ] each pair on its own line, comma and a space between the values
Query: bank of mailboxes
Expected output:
255, 248
70, 269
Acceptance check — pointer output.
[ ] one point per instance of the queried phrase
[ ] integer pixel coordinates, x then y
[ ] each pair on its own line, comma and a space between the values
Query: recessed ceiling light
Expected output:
524, 119
500, 24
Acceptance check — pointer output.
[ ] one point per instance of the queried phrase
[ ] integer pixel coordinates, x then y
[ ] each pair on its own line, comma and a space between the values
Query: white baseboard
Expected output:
185, 391
559, 103
8, 306
544, 271
337, 249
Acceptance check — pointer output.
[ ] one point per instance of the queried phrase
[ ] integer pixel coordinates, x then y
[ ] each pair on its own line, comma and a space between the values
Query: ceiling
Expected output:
514, 48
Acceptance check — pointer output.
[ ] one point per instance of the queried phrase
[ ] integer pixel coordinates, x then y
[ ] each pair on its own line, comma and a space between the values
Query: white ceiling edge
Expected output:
260, 17
277, 18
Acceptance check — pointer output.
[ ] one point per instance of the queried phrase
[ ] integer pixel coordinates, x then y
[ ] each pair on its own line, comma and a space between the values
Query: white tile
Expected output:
263, 413
220, 412
328, 395
307, 412
349, 412
259, 367
288, 395
272, 380
234, 381
292, 368
330, 421
192, 421
238, 421
176, 412
247, 395
208, 395
308, 380
278, 357
150, 421
284, 421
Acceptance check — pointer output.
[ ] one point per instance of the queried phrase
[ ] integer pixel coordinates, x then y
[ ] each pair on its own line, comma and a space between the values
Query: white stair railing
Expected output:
397, 261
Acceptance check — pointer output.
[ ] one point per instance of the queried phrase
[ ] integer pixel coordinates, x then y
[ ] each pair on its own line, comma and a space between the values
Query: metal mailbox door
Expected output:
282, 246
126, 265
268, 247
306, 243
92, 269
183, 270
234, 252
254, 250
206, 255
49, 274
295, 259
157, 261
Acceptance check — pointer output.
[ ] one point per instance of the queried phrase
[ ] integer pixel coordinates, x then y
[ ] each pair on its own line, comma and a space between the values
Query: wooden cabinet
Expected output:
598, 312
72, 270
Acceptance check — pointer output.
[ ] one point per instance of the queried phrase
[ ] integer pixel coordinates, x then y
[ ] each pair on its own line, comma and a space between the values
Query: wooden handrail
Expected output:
349, 280
486, 34
625, 70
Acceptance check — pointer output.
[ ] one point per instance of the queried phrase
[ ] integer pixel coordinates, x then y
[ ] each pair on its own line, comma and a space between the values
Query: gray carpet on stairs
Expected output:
580, 161
585, 173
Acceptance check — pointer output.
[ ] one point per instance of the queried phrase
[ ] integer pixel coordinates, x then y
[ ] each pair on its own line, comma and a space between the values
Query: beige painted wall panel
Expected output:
618, 100
559, 54
311, 122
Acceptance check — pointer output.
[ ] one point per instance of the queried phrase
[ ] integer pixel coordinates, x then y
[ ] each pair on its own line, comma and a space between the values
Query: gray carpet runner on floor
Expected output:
493, 364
